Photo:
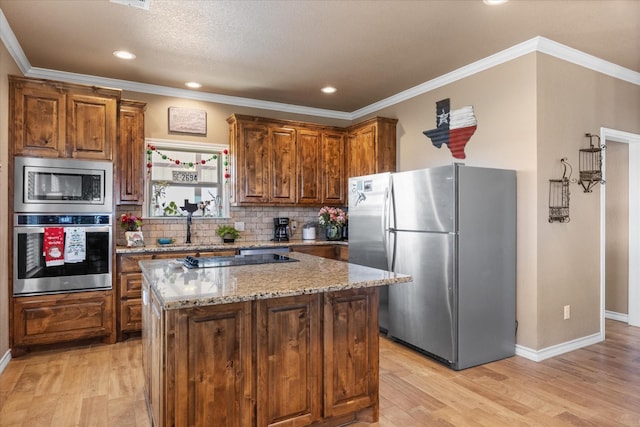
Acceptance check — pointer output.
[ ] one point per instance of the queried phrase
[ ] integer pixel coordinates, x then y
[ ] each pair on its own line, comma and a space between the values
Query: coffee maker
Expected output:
281, 230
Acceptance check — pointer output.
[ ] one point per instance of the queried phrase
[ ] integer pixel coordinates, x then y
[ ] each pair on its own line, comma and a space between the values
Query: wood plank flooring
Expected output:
595, 386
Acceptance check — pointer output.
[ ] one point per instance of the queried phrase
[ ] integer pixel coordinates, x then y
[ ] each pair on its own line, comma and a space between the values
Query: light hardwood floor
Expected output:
595, 386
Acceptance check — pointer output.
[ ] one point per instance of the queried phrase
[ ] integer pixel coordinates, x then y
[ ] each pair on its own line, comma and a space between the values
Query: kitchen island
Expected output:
289, 344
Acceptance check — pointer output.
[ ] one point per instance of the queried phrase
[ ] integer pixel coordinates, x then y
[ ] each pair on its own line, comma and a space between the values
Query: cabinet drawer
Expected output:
130, 285
325, 251
129, 263
131, 315
57, 318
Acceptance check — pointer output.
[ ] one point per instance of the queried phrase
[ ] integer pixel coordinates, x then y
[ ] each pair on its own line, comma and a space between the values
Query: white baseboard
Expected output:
5, 360
546, 353
620, 317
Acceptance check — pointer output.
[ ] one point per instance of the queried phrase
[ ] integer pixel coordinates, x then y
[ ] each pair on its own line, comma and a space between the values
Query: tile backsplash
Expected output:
258, 224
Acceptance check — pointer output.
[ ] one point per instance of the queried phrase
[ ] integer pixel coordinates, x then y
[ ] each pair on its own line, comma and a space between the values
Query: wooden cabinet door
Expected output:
252, 163
209, 362
282, 166
289, 364
351, 353
156, 364
91, 126
334, 181
309, 167
129, 153
362, 152
38, 118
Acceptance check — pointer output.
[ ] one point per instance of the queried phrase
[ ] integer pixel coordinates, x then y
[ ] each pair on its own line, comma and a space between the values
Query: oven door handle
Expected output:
40, 230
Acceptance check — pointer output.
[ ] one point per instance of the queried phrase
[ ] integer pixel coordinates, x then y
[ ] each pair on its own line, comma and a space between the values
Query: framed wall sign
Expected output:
186, 120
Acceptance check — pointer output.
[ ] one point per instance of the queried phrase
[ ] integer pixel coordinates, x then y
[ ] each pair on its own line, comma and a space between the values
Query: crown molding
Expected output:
44, 73
11, 43
536, 44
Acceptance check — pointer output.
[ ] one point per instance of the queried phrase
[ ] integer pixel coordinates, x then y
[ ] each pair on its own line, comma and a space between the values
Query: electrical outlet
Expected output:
567, 312
239, 226
294, 225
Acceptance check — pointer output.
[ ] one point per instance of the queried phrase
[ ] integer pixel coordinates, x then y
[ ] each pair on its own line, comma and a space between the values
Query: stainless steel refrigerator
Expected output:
453, 228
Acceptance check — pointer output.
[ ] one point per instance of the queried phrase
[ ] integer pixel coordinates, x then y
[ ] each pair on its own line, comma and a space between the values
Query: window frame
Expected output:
179, 145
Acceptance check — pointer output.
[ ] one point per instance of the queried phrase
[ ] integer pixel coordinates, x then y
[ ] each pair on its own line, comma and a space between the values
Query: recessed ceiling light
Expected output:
193, 85
123, 54
329, 89
494, 2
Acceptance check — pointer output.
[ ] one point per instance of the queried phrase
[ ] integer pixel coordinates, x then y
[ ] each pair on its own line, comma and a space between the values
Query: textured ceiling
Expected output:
285, 51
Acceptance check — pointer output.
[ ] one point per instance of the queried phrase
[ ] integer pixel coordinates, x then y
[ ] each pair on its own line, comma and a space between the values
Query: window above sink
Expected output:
182, 170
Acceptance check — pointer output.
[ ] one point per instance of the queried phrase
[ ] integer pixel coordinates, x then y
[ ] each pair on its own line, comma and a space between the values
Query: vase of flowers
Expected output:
333, 220
132, 225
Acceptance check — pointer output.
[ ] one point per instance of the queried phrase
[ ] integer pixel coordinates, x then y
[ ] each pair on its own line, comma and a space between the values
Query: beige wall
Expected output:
571, 102
617, 228
7, 66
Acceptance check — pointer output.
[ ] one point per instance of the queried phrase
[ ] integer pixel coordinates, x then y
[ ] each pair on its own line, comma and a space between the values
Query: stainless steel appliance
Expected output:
88, 268
62, 185
452, 228
281, 230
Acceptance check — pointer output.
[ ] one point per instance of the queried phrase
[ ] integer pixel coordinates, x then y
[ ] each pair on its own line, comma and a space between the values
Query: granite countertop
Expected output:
239, 244
178, 287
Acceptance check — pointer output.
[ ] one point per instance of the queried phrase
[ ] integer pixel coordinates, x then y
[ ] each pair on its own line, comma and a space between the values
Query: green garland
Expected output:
151, 149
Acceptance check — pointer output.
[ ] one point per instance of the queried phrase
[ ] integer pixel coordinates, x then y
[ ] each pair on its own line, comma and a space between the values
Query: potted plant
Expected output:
228, 233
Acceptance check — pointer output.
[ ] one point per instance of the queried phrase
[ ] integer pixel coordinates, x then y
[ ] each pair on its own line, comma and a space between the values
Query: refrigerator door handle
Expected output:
385, 224
388, 233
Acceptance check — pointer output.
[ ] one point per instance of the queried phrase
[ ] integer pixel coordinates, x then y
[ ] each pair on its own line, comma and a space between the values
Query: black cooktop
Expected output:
229, 261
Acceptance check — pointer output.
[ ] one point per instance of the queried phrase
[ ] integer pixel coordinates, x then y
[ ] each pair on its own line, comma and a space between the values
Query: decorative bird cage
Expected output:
591, 164
559, 196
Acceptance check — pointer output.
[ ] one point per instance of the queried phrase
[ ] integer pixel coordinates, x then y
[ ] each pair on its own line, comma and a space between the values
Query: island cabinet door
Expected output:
351, 354
289, 364
209, 359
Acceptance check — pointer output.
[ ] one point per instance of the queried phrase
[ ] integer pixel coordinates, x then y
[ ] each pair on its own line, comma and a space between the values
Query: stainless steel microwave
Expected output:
45, 185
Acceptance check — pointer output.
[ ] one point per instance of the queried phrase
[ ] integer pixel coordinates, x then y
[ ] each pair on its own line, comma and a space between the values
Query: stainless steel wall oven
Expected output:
61, 253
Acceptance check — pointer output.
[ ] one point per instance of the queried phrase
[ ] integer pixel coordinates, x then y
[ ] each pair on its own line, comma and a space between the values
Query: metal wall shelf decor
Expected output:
559, 195
591, 164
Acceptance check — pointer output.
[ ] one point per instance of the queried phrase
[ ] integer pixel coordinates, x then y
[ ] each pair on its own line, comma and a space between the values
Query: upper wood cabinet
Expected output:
278, 162
56, 119
129, 153
264, 156
333, 168
309, 167
321, 167
282, 165
371, 147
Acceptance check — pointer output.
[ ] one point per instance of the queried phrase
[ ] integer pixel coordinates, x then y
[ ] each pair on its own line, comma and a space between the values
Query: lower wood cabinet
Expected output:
337, 252
293, 361
129, 282
49, 319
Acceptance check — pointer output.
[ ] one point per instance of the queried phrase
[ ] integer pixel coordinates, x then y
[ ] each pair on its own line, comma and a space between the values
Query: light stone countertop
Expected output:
238, 244
178, 287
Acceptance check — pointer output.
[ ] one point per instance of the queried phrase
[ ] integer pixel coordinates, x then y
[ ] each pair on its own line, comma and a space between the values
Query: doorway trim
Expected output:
633, 140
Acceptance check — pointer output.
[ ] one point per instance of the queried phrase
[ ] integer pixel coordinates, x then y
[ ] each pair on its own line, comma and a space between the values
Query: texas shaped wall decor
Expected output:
453, 127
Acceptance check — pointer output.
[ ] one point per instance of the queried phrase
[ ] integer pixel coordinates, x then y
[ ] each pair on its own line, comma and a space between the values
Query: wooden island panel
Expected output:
289, 362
